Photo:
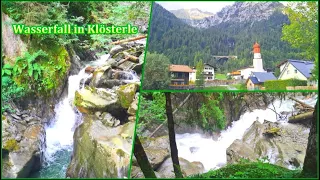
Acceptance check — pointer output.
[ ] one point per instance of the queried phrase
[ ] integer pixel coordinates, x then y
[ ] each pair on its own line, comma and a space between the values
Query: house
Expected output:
208, 72
235, 74
179, 75
295, 69
257, 79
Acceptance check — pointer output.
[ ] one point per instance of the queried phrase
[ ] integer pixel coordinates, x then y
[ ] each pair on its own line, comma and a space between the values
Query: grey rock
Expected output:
16, 116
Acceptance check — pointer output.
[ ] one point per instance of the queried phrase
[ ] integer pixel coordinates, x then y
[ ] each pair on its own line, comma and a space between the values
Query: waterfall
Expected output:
59, 134
211, 153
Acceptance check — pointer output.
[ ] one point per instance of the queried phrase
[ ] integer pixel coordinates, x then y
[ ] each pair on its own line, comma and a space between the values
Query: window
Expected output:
295, 71
288, 72
209, 77
210, 72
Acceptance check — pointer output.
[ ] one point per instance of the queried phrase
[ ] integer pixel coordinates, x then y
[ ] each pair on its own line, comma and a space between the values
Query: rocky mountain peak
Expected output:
238, 12
191, 14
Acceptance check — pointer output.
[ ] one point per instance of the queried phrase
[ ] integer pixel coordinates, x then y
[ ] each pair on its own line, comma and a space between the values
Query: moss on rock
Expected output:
126, 94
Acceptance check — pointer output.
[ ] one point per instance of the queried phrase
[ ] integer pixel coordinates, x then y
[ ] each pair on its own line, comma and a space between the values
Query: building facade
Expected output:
180, 76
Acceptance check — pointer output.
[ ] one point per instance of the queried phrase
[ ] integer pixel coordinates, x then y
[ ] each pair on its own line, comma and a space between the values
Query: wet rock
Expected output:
134, 106
156, 156
16, 116
90, 100
280, 150
25, 156
126, 94
109, 83
89, 70
101, 151
187, 168
116, 49
132, 118
98, 114
108, 120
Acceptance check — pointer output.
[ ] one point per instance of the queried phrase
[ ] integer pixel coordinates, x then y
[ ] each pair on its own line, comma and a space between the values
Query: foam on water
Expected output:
212, 154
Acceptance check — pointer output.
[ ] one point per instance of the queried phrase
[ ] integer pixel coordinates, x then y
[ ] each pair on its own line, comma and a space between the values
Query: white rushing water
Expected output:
212, 154
59, 134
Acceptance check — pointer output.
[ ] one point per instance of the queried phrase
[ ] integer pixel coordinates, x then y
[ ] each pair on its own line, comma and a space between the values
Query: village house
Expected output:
179, 76
296, 69
257, 79
208, 72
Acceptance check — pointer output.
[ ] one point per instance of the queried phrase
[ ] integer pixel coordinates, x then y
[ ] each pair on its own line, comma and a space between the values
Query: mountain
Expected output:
191, 14
238, 12
185, 44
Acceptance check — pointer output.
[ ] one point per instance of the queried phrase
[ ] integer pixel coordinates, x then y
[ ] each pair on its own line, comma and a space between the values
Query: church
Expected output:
257, 66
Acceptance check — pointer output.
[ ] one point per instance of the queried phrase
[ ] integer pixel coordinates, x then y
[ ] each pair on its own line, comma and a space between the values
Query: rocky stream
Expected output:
90, 133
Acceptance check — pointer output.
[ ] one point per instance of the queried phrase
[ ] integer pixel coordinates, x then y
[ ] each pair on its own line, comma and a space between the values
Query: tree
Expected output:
310, 161
142, 159
156, 71
199, 74
302, 32
172, 138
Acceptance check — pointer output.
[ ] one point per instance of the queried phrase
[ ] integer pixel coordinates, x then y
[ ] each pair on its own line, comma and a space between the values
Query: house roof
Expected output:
263, 76
305, 67
180, 68
235, 73
209, 65
254, 80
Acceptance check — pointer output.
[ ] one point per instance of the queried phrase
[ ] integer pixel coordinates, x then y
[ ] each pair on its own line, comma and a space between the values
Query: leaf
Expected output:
7, 66
7, 72
30, 71
36, 75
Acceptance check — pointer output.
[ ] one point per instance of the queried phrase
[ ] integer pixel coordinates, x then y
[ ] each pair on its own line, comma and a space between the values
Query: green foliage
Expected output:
156, 71
199, 75
282, 84
10, 91
212, 115
250, 170
302, 32
11, 145
181, 43
154, 110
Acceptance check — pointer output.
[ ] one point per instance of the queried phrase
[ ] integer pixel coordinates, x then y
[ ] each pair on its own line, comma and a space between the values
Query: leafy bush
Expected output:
10, 91
211, 114
282, 84
250, 170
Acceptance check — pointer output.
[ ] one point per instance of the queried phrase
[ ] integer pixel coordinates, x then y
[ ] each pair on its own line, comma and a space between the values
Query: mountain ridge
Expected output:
237, 12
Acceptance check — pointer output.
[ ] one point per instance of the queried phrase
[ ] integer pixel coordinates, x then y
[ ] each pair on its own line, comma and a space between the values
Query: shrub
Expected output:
282, 84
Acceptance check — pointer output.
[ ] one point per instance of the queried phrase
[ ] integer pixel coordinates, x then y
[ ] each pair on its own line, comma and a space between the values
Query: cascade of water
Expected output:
211, 153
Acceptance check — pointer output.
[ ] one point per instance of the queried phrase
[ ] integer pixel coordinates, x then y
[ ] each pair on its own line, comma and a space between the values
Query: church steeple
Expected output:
257, 60
256, 48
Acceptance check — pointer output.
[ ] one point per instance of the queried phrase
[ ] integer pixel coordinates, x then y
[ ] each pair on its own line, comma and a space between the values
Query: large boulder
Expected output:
22, 157
101, 151
126, 94
187, 168
281, 144
91, 99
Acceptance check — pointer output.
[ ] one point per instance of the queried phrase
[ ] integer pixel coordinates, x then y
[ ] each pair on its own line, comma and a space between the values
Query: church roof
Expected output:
256, 45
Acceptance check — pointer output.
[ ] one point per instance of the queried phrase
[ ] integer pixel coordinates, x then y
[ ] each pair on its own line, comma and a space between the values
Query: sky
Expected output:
213, 7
